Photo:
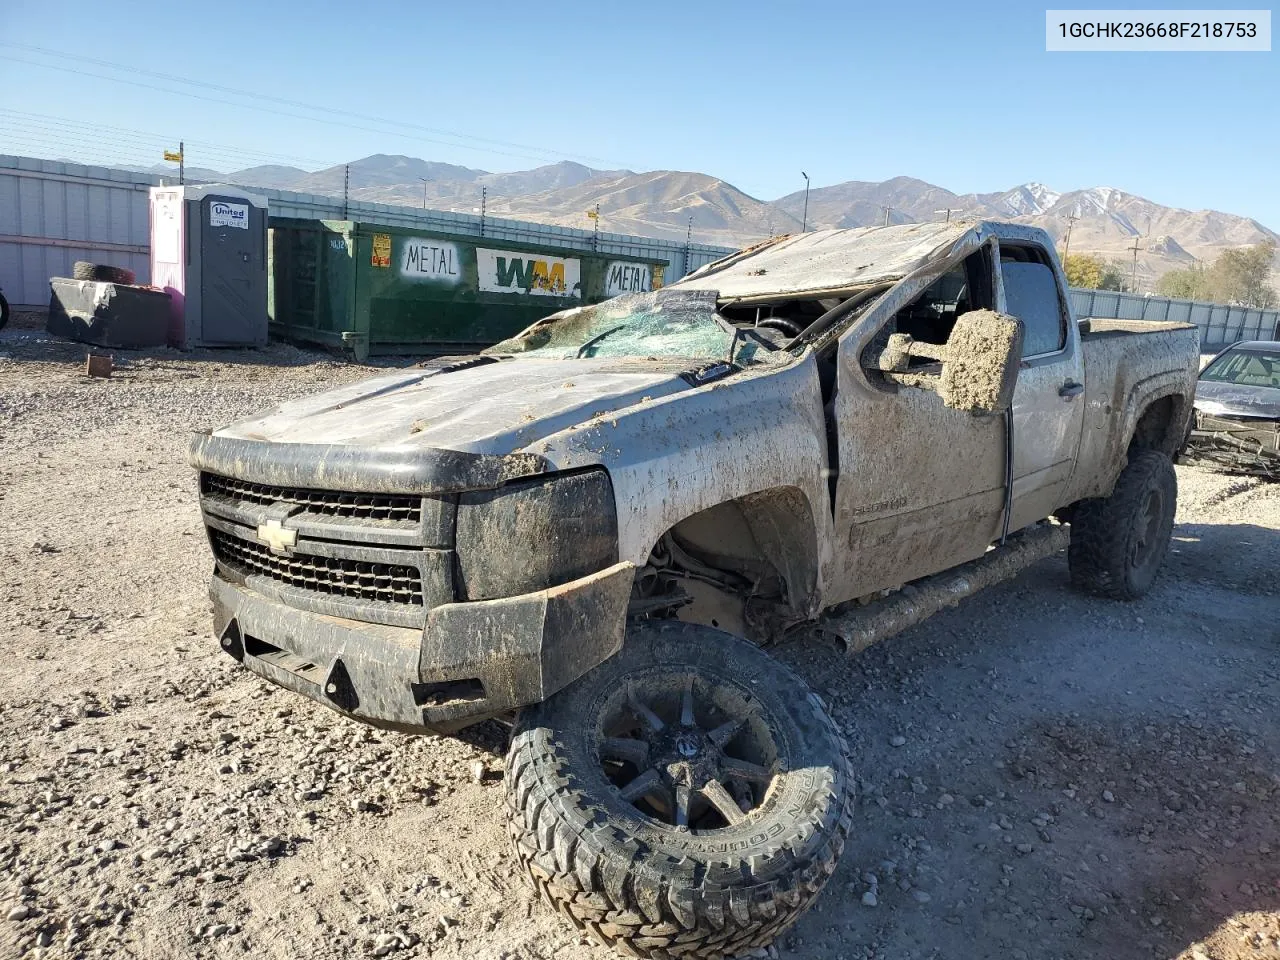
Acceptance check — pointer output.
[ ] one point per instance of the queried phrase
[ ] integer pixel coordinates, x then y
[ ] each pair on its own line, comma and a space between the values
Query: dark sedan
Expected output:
1237, 419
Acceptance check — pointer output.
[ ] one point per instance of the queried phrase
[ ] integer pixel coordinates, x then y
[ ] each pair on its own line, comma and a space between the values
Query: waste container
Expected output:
378, 289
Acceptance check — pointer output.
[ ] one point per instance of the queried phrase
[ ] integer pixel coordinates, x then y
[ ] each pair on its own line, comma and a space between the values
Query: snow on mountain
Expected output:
1028, 199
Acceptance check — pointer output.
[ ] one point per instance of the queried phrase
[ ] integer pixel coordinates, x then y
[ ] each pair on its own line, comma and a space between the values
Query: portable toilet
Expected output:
209, 252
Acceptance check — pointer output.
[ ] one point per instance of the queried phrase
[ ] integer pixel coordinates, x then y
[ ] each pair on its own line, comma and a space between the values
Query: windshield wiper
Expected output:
596, 339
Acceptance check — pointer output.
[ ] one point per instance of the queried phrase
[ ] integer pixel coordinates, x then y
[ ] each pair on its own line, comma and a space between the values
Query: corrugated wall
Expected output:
52, 214
1219, 324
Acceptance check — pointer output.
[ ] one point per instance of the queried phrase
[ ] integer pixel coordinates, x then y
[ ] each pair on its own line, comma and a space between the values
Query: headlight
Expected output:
535, 534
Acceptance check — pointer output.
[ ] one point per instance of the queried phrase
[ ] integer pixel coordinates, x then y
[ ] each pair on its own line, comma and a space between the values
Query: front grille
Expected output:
354, 579
361, 506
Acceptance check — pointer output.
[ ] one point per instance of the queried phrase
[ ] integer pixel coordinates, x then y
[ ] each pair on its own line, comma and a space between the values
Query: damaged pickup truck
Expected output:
591, 531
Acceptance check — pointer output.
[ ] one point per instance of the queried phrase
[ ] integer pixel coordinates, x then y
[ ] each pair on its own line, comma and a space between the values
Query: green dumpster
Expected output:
375, 289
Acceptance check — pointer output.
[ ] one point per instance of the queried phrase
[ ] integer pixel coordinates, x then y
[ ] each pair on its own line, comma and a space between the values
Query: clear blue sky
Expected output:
961, 95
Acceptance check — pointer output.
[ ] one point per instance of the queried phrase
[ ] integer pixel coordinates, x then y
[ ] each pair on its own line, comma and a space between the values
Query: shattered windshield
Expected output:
1246, 368
664, 323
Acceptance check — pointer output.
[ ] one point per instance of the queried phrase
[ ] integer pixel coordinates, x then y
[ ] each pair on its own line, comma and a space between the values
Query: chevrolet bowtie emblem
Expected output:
278, 538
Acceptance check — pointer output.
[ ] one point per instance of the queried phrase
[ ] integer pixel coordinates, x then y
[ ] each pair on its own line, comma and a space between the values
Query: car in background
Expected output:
1237, 411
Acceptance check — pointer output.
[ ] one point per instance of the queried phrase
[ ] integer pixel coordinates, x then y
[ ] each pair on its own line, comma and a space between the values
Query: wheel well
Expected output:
1157, 428
748, 565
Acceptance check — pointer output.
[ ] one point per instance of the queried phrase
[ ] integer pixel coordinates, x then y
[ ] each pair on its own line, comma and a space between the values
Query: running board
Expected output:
860, 627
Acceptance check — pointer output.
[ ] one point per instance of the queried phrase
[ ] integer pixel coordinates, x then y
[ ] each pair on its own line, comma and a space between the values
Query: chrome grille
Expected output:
363, 580
362, 506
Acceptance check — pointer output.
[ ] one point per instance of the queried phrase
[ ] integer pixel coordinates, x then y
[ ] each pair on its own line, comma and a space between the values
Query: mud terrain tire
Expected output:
642, 884
1119, 542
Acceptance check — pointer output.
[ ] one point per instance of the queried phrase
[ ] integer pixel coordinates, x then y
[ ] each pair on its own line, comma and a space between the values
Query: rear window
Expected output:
1031, 295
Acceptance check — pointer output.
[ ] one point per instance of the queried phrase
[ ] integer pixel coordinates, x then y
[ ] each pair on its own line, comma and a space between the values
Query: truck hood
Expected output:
486, 408
1233, 400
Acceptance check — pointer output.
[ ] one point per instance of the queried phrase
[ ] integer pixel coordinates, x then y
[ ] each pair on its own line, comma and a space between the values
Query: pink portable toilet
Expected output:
209, 252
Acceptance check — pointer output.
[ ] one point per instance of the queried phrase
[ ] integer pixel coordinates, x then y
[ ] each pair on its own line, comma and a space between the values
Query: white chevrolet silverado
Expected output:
592, 530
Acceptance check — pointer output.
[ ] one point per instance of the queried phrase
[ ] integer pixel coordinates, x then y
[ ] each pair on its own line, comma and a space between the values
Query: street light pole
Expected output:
804, 222
425, 181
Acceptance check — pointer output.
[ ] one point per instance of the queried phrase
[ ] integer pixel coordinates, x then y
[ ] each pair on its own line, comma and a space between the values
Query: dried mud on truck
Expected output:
594, 530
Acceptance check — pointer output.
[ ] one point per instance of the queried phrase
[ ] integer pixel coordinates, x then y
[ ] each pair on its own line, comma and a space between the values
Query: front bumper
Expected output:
471, 662
1238, 445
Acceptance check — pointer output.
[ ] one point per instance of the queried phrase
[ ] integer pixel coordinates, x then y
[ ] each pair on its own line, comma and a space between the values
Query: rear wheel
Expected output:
4, 311
1119, 542
688, 797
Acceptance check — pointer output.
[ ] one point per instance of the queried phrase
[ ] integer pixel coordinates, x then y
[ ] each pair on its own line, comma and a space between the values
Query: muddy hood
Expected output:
491, 408
1233, 400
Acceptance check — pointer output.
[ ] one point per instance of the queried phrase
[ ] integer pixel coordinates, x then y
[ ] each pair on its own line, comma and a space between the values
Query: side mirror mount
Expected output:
976, 370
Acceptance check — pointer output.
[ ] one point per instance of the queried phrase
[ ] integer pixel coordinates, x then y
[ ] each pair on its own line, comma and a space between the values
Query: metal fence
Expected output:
1219, 324
53, 214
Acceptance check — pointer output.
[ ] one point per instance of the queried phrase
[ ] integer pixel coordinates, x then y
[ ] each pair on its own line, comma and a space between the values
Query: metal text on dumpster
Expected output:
422, 259
623, 276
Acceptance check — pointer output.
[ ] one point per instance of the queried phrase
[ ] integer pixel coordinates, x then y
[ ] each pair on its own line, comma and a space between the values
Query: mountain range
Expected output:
675, 205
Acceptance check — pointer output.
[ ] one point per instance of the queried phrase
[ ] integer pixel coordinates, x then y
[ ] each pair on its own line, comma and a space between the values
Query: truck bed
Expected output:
1126, 364
1100, 328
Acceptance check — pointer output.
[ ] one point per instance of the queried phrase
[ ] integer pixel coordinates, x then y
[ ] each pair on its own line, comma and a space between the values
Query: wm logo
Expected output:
527, 275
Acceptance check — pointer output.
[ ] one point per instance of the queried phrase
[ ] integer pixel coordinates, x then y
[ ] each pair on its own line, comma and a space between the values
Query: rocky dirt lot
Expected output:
1042, 775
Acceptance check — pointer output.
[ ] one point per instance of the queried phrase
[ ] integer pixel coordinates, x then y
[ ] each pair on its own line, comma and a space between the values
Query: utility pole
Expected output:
1133, 282
484, 202
595, 231
1066, 246
346, 189
688, 244
886, 210
948, 211
804, 221
425, 181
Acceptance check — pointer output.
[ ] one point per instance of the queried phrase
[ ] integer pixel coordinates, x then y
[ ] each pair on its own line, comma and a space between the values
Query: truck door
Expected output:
920, 486
1048, 404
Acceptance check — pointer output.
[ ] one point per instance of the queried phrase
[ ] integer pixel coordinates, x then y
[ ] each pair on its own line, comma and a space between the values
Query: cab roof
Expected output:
825, 263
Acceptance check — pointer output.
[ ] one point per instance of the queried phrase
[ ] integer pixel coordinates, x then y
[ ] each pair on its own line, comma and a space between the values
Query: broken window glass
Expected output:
664, 323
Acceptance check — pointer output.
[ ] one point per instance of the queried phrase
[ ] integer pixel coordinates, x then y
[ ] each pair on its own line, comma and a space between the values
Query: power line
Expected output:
42, 123
470, 141
262, 109
258, 95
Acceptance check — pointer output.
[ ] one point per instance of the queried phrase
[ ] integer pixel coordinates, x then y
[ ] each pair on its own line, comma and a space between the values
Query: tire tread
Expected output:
1101, 528
646, 903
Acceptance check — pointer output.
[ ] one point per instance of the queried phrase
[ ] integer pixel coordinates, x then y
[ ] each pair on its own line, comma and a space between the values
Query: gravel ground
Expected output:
1042, 775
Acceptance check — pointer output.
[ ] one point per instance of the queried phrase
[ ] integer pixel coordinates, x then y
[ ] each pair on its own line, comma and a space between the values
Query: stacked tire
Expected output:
84, 270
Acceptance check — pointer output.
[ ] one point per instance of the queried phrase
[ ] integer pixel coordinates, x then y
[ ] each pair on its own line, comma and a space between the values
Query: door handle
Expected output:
1070, 390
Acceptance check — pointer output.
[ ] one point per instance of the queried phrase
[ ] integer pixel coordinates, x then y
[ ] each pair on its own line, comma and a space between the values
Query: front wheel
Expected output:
689, 797
1119, 542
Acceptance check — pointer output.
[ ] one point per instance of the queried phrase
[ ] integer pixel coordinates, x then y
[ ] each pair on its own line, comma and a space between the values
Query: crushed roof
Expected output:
837, 261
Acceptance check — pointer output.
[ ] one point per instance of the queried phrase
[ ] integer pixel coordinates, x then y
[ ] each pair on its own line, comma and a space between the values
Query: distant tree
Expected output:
1240, 276
1083, 270
1112, 276
1191, 283
1090, 271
